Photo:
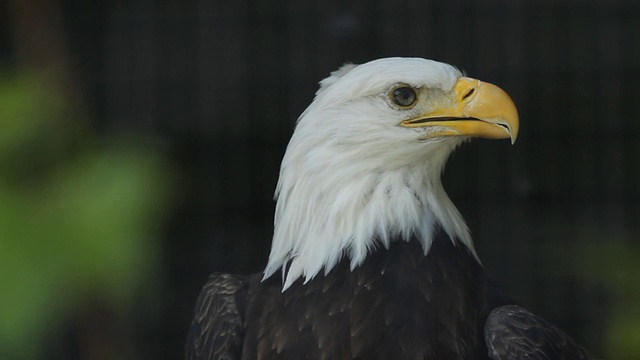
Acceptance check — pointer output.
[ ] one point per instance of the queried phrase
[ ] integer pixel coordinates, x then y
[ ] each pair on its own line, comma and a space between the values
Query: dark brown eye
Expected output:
404, 96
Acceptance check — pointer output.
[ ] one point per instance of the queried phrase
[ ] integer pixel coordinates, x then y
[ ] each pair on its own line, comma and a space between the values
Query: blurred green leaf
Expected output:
615, 265
606, 259
85, 229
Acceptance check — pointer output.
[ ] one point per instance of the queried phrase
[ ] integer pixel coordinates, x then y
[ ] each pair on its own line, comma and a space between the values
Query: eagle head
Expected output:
363, 166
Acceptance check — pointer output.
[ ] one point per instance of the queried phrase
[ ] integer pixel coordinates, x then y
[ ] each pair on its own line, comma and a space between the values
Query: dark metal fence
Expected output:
222, 82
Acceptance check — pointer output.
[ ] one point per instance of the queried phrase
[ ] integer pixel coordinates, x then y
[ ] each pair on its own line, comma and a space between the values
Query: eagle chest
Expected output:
399, 304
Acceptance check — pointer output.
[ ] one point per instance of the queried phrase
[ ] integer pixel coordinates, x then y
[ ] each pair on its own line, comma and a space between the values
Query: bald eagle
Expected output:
370, 259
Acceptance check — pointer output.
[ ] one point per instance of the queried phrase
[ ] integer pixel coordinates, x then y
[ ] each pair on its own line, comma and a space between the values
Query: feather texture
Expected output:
217, 328
352, 179
377, 263
514, 333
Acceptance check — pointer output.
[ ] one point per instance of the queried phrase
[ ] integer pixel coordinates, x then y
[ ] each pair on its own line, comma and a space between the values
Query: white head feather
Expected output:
352, 179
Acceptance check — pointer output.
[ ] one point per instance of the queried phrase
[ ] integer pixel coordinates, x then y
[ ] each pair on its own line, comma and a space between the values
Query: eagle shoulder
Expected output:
217, 328
512, 332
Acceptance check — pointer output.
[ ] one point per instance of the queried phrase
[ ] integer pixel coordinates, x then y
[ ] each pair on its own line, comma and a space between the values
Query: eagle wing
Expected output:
512, 332
217, 329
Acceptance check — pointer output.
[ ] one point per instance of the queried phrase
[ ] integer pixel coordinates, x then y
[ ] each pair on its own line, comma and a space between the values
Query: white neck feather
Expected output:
339, 209
352, 180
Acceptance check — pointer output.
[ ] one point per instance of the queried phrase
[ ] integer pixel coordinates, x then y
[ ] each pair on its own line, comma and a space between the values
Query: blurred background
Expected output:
140, 144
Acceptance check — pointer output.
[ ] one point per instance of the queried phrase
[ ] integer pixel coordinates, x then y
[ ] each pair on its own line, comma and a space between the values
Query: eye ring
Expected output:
404, 96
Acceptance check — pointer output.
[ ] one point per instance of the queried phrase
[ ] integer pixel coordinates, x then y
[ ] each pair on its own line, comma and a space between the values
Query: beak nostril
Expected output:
468, 94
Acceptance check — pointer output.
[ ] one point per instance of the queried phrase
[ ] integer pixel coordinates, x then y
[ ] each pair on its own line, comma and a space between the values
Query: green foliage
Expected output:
77, 221
615, 265
605, 256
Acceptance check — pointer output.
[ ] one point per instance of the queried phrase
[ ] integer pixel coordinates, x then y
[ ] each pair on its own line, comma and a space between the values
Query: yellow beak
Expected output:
478, 109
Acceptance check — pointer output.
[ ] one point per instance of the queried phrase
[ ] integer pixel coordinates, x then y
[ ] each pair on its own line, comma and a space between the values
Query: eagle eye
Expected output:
404, 96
